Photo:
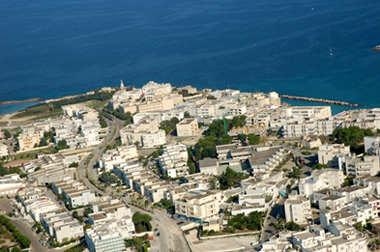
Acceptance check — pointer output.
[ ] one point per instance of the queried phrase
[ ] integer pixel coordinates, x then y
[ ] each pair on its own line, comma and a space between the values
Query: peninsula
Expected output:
21, 101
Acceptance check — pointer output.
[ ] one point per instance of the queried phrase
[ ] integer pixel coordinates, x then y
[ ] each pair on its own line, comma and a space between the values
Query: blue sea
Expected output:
51, 49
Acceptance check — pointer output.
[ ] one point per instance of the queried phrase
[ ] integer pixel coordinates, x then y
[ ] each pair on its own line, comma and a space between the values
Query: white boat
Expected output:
331, 54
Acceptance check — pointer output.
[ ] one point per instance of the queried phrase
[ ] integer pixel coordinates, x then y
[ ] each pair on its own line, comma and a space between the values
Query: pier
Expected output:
342, 103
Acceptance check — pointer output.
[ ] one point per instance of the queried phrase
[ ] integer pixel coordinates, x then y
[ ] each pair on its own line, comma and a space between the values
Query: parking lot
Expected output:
223, 244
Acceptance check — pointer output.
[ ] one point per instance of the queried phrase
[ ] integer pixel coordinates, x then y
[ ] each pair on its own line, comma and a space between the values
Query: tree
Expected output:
296, 173
16, 249
192, 168
62, 145
212, 183
108, 178
7, 134
229, 178
142, 221
292, 226
348, 181
242, 137
226, 139
319, 166
43, 142
253, 139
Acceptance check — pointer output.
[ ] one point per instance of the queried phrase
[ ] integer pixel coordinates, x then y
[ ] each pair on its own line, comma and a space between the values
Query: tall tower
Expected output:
122, 85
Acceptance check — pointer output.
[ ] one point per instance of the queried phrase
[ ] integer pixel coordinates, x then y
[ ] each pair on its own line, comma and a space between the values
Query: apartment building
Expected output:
3, 150
61, 226
198, 207
101, 238
75, 193
156, 89
332, 202
118, 156
27, 141
10, 184
187, 127
328, 153
316, 112
351, 192
341, 238
202, 110
372, 145
359, 167
372, 183
147, 139
81, 112
320, 179
173, 160
297, 209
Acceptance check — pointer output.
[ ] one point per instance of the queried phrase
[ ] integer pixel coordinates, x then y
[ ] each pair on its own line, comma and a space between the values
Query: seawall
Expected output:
292, 97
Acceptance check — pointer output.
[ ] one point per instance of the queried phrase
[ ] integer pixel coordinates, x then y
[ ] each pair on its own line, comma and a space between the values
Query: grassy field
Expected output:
40, 113
32, 154
95, 104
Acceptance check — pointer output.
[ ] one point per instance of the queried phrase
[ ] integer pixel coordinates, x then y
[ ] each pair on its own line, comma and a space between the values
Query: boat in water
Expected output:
331, 54
376, 48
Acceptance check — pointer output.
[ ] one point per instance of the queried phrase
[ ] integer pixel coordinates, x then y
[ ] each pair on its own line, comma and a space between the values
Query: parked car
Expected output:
41, 240
43, 244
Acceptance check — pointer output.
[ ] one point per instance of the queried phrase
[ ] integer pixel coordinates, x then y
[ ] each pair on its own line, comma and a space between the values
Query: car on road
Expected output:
268, 218
43, 244
158, 234
155, 230
258, 248
41, 240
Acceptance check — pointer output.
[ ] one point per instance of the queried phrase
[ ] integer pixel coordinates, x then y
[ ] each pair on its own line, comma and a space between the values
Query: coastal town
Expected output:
164, 168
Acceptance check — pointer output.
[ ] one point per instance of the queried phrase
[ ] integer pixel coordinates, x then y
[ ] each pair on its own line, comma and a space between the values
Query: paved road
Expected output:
26, 230
269, 230
171, 238
108, 139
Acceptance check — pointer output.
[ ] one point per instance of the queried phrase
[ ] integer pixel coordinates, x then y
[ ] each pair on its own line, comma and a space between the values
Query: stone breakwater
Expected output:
292, 97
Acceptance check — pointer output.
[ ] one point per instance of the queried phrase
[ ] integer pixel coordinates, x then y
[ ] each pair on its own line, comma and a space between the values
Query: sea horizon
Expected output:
55, 49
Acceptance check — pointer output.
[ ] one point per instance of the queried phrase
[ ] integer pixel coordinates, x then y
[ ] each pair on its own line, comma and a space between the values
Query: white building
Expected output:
342, 238
148, 139
360, 166
187, 127
118, 156
3, 150
61, 226
320, 179
75, 193
316, 112
372, 145
328, 153
198, 207
104, 238
297, 209
173, 160
10, 184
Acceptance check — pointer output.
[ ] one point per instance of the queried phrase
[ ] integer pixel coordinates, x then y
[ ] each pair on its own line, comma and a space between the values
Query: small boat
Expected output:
376, 48
331, 54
